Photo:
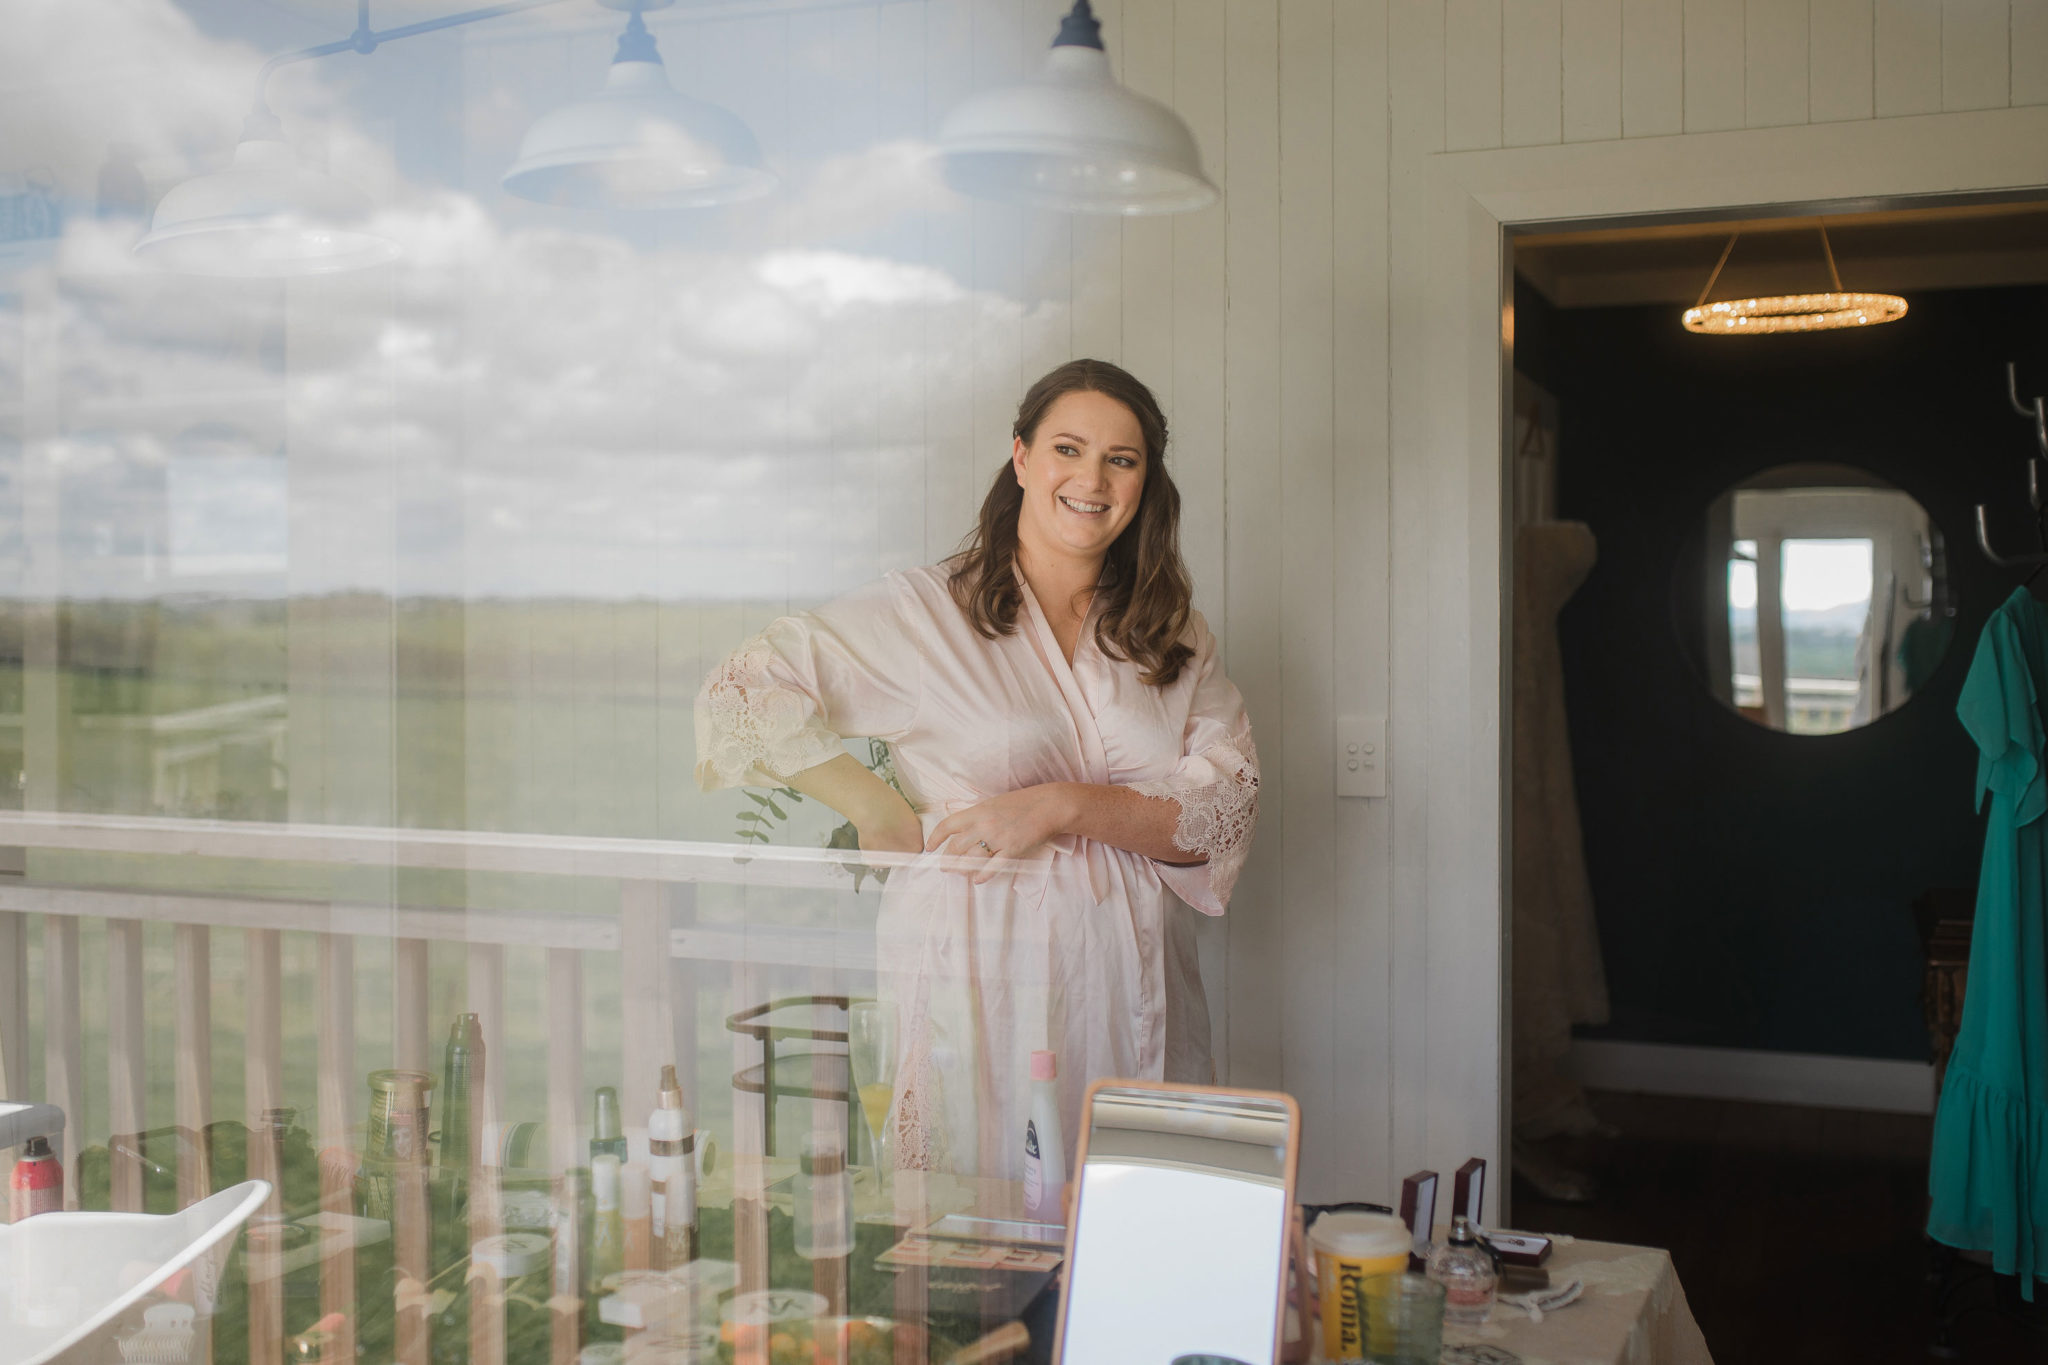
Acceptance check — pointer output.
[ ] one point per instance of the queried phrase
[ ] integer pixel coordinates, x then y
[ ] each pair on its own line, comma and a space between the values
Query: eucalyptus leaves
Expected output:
770, 809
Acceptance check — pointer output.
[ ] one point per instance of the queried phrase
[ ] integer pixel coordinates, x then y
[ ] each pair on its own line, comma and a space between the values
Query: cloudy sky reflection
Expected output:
711, 404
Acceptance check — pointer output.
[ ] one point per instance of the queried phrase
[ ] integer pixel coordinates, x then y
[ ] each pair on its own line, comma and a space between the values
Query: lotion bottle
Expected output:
671, 1150
1045, 1147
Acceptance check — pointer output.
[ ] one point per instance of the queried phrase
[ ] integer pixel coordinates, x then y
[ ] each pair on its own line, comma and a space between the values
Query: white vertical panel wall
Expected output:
1355, 977
1347, 566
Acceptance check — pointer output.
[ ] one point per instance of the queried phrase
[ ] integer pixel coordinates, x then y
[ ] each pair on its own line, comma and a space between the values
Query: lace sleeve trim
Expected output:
1216, 817
759, 725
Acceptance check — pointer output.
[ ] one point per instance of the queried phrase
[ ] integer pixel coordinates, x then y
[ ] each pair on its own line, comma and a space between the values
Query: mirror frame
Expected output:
1290, 1165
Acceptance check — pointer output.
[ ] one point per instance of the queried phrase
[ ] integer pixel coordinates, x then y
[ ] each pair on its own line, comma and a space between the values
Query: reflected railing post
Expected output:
411, 1239
565, 1085
334, 1003
13, 1003
411, 1034
486, 988
486, 1286
262, 1098
643, 1011
63, 1048
190, 948
264, 1255
683, 979
828, 1122
565, 1304
486, 996
127, 1068
749, 1147
338, 1254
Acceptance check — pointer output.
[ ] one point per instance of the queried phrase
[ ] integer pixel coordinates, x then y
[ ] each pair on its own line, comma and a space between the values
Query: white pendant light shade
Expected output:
638, 144
265, 216
1074, 139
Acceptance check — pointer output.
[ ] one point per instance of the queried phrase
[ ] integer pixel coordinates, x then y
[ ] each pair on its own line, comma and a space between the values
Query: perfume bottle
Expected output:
1466, 1271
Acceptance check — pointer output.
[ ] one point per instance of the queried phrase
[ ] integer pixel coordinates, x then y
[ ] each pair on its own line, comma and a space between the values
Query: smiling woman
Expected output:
1079, 772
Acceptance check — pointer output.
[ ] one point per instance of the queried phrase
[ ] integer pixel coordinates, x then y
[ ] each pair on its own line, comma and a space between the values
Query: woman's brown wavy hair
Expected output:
1145, 594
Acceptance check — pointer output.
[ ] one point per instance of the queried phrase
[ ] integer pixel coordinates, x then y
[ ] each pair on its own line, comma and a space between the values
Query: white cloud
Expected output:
527, 402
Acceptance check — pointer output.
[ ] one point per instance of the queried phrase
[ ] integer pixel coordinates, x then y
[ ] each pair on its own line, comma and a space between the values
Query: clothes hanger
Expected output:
2037, 413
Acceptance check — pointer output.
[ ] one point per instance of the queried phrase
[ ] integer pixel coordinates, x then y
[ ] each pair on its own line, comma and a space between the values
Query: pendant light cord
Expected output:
1709, 287
1826, 247
1833, 273
366, 40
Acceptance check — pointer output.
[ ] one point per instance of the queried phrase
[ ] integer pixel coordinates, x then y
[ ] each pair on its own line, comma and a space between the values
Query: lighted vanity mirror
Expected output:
1180, 1226
1815, 598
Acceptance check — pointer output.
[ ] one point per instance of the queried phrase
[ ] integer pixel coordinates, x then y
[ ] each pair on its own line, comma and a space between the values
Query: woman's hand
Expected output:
1013, 825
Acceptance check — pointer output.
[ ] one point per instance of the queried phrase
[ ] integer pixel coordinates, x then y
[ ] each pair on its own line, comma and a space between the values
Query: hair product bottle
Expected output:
672, 1155
37, 1185
1045, 1147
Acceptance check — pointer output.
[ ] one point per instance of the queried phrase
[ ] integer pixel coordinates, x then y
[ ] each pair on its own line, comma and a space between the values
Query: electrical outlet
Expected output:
1362, 756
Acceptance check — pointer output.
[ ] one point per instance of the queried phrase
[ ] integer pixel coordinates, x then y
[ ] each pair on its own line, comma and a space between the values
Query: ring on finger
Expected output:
982, 844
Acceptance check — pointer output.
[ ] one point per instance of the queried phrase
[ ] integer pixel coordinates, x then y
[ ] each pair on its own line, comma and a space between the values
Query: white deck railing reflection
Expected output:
666, 958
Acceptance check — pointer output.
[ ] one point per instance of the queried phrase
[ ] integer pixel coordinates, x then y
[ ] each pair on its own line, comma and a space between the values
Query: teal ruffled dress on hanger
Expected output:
1989, 1173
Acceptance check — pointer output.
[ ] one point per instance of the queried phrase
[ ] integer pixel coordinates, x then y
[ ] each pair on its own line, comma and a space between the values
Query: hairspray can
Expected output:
37, 1185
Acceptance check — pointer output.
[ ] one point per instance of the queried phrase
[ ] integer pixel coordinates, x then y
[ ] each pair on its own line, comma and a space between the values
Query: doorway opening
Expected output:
1744, 586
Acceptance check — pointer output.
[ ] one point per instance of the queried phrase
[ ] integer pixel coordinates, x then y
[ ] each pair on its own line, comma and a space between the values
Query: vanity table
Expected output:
1633, 1310
1632, 1313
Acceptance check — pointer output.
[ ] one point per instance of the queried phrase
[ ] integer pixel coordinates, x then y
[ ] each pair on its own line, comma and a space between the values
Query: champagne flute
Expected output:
871, 1059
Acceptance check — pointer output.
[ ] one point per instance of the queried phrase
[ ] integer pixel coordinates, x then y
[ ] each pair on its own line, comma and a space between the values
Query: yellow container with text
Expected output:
1352, 1248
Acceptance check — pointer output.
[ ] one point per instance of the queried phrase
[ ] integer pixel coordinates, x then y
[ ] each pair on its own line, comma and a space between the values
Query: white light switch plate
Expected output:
1362, 756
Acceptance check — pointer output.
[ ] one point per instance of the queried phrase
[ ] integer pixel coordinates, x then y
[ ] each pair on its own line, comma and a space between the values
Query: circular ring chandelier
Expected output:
1823, 312
1794, 313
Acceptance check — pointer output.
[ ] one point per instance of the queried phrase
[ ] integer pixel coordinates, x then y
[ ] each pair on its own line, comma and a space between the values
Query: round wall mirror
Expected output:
1817, 599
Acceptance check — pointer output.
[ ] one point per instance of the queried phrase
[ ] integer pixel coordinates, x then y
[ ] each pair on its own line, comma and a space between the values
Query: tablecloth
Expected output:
1632, 1313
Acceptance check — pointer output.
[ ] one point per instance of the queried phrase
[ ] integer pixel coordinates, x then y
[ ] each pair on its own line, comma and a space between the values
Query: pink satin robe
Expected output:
1089, 952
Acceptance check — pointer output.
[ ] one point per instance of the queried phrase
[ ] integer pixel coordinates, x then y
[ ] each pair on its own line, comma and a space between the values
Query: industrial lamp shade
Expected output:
265, 216
638, 144
1074, 139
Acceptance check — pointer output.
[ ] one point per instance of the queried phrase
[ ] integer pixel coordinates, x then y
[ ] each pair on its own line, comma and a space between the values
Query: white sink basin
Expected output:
65, 1276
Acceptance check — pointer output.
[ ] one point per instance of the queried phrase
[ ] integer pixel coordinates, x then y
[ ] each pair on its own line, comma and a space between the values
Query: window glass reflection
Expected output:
351, 622
1824, 601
